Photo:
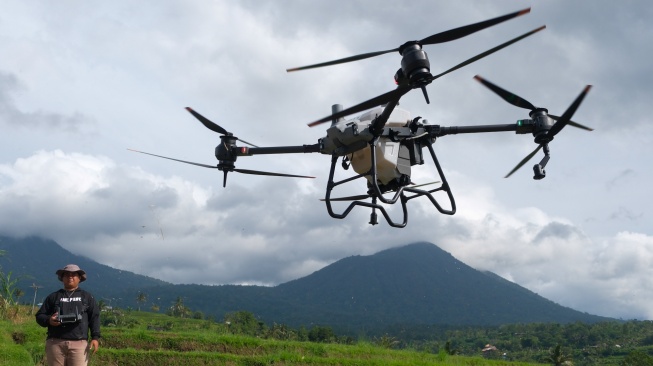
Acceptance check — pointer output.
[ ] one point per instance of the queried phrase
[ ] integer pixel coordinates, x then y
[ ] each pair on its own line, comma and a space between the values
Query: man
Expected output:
69, 314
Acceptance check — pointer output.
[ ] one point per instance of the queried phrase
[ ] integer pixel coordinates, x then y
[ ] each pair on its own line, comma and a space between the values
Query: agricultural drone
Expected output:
382, 144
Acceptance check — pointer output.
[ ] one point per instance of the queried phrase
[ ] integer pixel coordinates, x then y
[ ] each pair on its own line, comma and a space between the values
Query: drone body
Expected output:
354, 134
382, 144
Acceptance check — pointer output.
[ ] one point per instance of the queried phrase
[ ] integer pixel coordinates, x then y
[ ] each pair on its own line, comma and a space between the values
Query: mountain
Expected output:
416, 284
35, 261
419, 284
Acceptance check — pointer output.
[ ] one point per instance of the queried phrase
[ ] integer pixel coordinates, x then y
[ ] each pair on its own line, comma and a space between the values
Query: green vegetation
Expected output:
143, 338
186, 336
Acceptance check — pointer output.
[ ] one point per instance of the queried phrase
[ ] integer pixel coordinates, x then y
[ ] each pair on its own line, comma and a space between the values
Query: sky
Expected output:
81, 82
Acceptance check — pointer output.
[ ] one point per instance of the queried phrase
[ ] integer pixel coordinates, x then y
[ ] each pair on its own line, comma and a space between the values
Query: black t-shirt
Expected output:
67, 303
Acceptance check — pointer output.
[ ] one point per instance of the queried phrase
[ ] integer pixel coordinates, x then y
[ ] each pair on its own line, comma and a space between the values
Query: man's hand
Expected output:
94, 345
54, 320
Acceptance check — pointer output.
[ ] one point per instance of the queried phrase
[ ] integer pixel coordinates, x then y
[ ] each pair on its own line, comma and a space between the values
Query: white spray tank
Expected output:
389, 164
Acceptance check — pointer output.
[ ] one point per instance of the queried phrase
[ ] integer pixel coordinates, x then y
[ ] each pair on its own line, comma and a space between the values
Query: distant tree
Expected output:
101, 304
321, 334
637, 358
449, 349
557, 357
282, 332
244, 322
18, 293
178, 309
141, 298
530, 342
302, 334
155, 308
387, 341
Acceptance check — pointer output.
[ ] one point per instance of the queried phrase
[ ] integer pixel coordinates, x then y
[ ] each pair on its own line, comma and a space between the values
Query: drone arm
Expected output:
249, 151
521, 127
379, 122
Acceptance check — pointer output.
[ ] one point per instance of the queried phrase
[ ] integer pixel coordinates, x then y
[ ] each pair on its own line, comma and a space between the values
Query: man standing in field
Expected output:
69, 314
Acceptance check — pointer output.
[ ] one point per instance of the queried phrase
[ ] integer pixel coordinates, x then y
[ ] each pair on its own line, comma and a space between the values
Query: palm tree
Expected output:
178, 309
18, 293
558, 357
141, 298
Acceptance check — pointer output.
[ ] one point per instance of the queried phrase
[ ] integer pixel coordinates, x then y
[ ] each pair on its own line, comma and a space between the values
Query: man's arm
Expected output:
94, 318
45, 312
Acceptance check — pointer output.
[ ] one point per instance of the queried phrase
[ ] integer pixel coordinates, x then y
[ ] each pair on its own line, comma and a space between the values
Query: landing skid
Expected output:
376, 192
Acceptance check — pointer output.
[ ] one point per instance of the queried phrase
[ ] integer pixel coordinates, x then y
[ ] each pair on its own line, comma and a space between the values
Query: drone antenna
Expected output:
224, 180
426, 95
335, 109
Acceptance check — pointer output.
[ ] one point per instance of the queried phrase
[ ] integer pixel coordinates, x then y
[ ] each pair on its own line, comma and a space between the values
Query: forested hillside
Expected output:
412, 285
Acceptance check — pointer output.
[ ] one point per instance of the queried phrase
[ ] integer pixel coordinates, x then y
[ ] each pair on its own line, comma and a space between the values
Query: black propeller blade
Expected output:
181, 161
441, 37
243, 171
566, 117
258, 172
213, 126
381, 99
560, 123
520, 102
489, 52
524, 161
572, 123
401, 90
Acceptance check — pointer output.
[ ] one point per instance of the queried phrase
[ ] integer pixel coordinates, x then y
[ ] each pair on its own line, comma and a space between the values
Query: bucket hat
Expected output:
72, 268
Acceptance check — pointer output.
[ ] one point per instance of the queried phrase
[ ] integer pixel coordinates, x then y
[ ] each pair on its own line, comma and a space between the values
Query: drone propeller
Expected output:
226, 169
441, 37
405, 85
524, 161
543, 133
224, 152
213, 126
521, 102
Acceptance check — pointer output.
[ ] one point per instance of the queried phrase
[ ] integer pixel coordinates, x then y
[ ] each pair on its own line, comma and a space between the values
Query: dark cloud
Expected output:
624, 213
12, 117
622, 178
558, 231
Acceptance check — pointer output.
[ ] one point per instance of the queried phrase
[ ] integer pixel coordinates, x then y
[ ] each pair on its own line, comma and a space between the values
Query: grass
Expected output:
155, 339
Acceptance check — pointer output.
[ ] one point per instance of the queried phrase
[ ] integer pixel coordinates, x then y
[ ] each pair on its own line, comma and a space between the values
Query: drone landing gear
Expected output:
376, 193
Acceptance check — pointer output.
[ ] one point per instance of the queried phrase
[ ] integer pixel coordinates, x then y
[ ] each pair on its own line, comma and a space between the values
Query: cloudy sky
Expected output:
83, 81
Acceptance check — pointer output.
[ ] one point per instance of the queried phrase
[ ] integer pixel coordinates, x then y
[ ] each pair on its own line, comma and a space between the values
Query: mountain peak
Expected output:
420, 283
414, 284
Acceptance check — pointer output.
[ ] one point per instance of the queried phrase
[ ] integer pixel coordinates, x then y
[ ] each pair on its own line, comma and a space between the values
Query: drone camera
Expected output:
539, 171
